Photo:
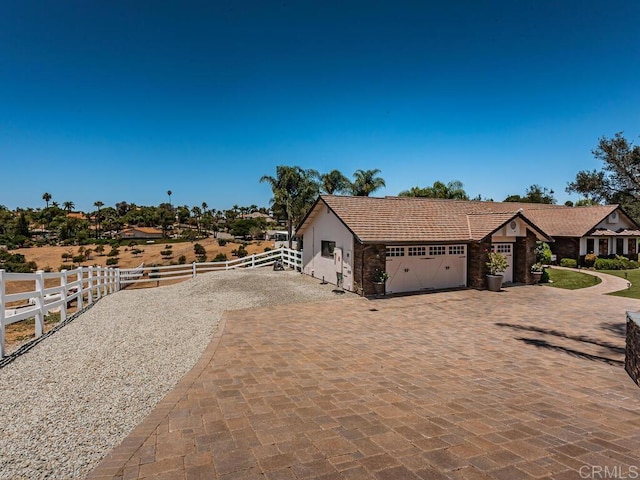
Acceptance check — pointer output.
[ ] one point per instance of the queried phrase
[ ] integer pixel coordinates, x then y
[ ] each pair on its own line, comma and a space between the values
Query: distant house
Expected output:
256, 215
141, 232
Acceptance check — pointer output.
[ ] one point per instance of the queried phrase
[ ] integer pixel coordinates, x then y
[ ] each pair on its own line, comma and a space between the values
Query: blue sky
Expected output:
124, 100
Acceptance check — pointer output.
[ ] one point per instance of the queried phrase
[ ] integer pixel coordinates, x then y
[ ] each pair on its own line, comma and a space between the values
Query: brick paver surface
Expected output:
525, 383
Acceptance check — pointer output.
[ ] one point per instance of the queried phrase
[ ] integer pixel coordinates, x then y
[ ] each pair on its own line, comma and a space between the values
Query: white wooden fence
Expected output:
86, 285
142, 274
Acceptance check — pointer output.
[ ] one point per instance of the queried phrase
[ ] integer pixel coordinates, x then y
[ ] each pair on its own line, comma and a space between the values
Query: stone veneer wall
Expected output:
525, 256
632, 243
632, 357
566, 247
366, 260
478, 254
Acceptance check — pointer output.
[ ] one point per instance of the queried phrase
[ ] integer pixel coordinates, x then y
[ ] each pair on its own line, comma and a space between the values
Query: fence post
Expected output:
39, 303
226, 265
80, 297
2, 305
117, 279
253, 260
105, 281
194, 270
63, 285
90, 285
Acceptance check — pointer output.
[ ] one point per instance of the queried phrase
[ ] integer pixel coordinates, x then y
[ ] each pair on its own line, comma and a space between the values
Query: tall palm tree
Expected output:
169, 192
451, 190
46, 197
366, 182
294, 191
334, 182
98, 204
197, 213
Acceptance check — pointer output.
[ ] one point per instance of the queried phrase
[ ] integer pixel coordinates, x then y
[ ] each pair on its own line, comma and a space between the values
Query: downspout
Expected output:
362, 270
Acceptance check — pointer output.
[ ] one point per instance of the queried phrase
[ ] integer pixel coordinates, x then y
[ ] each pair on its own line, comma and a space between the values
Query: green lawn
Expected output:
571, 280
632, 276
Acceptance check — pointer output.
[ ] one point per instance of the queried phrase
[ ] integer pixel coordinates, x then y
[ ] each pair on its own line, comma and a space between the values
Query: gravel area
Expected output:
67, 402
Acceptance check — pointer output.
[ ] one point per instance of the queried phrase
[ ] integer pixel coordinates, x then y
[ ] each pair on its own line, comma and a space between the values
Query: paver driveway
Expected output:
526, 383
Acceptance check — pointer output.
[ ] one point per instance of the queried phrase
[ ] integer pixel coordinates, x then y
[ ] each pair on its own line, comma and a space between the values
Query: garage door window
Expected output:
438, 250
456, 250
328, 248
417, 251
395, 251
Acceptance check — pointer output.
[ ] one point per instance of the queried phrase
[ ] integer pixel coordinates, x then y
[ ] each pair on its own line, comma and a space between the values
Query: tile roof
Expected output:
410, 219
403, 219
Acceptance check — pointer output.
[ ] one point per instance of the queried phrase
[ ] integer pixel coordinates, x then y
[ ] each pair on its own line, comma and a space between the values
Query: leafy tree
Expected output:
452, 190
200, 251
366, 182
534, 194
22, 226
619, 179
294, 191
334, 182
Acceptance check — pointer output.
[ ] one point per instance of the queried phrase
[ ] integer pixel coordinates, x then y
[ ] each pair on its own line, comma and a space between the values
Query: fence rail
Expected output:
86, 285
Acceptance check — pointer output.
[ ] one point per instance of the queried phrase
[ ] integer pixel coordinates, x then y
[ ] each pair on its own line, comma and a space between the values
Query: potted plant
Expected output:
379, 279
496, 265
537, 270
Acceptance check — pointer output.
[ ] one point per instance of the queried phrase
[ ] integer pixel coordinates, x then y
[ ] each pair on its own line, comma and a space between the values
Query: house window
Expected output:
417, 251
456, 250
590, 245
438, 250
395, 251
328, 248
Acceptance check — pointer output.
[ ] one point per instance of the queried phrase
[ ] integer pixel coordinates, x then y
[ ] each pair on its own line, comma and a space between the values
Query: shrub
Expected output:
112, 261
222, 242
182, 259
241, 252
568, 262
113, 253
78, 259
66, 266
590, 260
617, 263
167, 253
220, 257
543, 253
267, 249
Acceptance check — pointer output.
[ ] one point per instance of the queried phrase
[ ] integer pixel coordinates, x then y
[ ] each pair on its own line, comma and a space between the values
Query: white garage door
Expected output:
428, 267
505, 249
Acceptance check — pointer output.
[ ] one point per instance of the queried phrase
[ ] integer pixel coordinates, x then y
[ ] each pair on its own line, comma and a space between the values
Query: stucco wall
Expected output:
326, 226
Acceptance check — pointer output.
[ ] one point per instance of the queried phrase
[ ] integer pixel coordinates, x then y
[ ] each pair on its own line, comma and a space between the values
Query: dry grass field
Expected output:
51, 258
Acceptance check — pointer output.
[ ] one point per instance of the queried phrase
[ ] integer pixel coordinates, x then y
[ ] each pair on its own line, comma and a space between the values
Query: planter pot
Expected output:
378, 287
494, 282
537, 276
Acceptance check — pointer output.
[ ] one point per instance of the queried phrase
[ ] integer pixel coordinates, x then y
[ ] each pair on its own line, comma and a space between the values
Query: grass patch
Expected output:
571, 280
632, 276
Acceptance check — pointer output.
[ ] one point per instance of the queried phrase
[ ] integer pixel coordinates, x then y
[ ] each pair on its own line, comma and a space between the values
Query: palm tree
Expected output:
68, 206
98, 204
334, 182
169, 192
451, 190
366, 182
197, 213
46, 197
294, 191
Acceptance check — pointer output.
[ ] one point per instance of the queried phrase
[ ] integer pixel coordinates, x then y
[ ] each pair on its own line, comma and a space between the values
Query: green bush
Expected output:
543, 253
66, 266
241, 252
568, 262
617, 263
221, 257
112, 261
182, 259
590, 259
222, 242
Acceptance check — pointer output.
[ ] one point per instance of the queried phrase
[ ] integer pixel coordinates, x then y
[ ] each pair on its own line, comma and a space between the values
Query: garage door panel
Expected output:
428, 267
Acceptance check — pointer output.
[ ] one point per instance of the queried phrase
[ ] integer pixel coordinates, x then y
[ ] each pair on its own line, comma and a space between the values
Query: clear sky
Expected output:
123, 100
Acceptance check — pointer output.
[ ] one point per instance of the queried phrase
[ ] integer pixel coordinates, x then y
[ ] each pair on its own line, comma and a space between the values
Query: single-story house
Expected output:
577, 231
141, 232
428, 244
423, 244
